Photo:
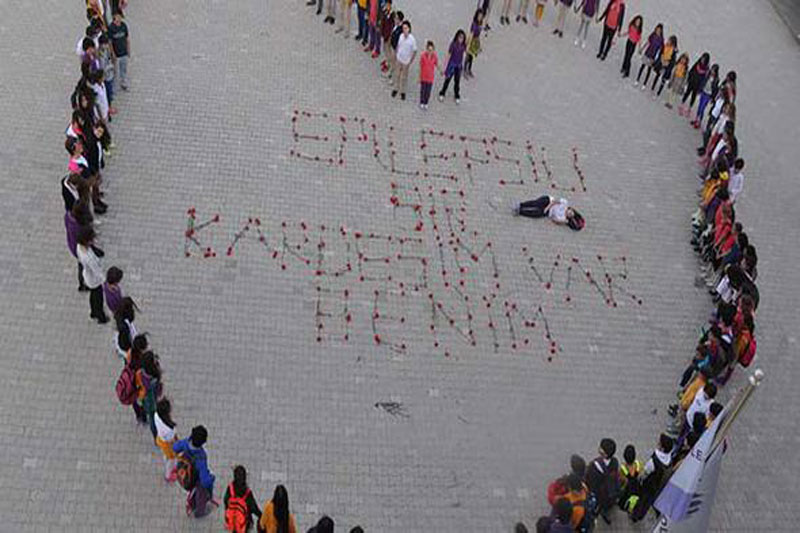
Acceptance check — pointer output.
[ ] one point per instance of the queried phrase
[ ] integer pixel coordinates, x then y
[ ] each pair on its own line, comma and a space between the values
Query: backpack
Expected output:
186, 472
555, 490
748, 354
236, 512
126, 386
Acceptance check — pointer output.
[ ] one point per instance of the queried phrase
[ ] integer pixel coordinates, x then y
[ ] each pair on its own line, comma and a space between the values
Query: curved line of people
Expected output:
730, 271
728, 268
380, 26
104, 49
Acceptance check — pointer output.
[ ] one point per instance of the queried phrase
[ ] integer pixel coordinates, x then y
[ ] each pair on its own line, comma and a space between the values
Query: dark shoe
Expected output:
100, 207
311, 2
101, 320
83, 288
519, 18
394, 94
402, 96
525, 20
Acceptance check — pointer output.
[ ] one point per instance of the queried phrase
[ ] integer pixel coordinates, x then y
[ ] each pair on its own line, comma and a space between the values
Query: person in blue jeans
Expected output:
363, 33
202, 494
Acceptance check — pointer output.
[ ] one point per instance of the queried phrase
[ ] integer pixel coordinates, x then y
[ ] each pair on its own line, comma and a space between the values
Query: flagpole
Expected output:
737, 404
687, 505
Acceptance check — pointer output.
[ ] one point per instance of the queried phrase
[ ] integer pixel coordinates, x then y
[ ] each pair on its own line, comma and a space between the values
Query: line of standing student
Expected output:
728, 268
381, 27
660, 56
104, 50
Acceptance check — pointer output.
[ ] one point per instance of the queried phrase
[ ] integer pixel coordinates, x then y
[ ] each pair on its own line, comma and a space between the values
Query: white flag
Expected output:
685, 502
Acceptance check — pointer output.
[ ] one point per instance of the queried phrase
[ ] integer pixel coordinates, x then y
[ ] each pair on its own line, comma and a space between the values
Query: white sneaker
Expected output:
583, 45
458, 101
635, 84
577, 41
644, 86
422, 106
441, 98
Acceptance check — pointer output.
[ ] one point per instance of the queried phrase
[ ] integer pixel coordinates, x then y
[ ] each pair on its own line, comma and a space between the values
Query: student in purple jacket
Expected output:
454, 63
652, 51
588, 9
112, 289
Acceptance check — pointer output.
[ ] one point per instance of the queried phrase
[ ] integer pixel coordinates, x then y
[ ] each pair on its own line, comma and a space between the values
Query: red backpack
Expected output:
236, 512
186, 472
126, 386
748, 354
555, 490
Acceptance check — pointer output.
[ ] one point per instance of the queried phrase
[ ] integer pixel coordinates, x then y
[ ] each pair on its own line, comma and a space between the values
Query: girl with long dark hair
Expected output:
453, 65
276, 517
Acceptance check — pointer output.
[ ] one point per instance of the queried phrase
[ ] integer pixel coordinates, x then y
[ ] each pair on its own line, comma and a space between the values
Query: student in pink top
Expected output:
428, 63
614, 15
634, 36
374, 32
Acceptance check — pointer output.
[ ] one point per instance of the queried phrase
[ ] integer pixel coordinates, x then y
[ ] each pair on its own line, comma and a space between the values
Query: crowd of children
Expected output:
728, 269
103, 50
729, 260
382, 27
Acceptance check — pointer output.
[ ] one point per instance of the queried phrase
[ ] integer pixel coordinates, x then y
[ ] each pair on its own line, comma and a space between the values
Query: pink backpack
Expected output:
126, 386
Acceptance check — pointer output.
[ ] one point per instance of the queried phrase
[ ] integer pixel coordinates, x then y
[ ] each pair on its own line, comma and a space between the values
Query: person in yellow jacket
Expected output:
630, 470
363, 32
276, 518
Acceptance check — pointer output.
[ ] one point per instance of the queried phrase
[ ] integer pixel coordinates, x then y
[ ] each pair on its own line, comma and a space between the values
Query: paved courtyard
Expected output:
364, 321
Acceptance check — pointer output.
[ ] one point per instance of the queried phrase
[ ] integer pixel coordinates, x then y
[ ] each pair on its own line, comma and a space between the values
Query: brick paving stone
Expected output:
207, 123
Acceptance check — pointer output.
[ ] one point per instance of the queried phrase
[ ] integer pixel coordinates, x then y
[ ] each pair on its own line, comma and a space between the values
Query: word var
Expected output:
453, 291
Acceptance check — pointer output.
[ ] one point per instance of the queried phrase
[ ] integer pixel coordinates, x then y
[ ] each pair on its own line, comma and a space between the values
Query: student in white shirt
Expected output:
736, 181
406, 53
93, 274
166, 437
557, 210
100, 96
701, 403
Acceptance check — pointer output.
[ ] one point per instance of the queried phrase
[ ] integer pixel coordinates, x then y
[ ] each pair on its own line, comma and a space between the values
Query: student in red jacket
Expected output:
428, 63
613, 16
